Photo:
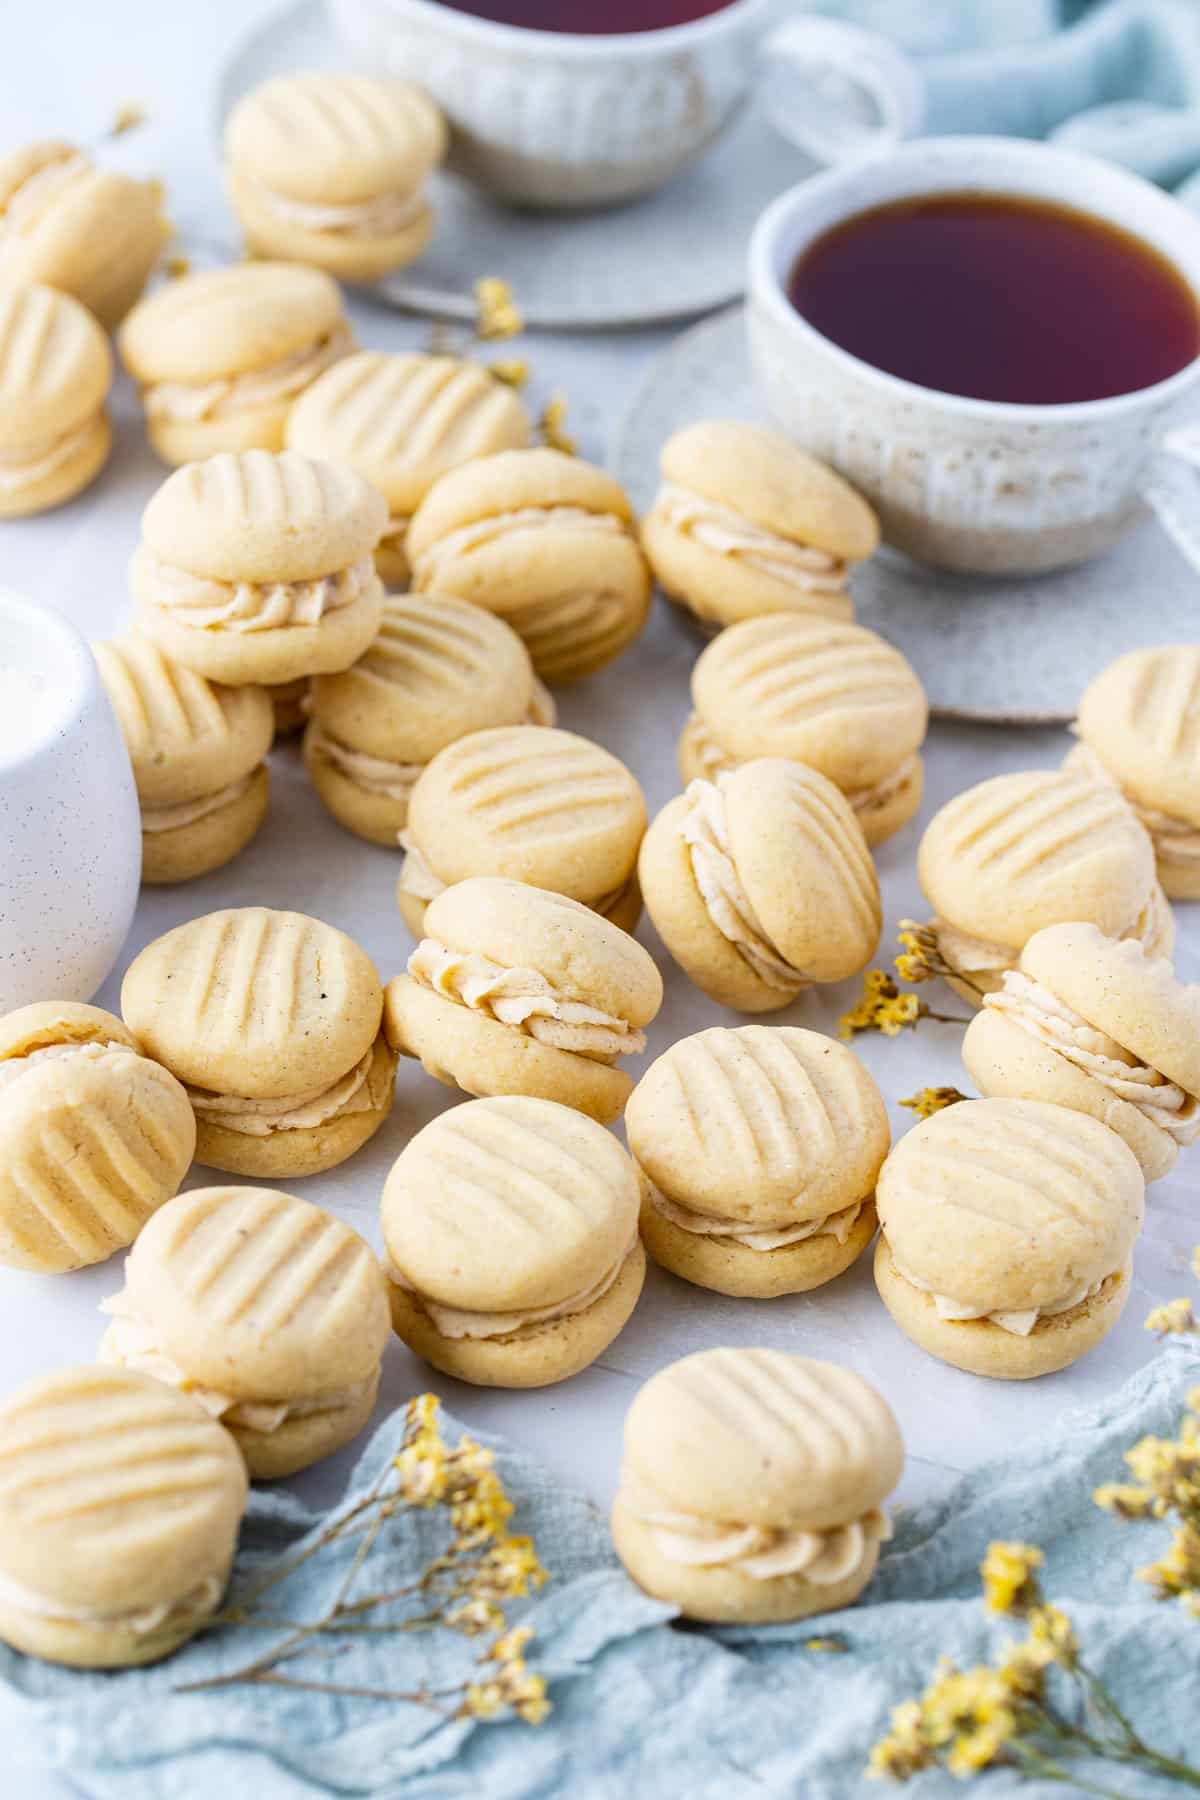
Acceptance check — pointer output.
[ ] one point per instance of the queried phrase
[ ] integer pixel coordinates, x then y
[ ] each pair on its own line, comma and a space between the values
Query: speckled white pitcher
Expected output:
70, 830
969, 484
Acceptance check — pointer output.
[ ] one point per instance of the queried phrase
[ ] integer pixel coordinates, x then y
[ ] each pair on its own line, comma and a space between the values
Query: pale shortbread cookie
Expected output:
516, 990
220, 356
511, 1230
534, 805
404, 420
752, 1486
197, 751
1019, 852
268, 1312
260, 567
120, 1504
760, 884
55, 373
438, 670
94, 1137
1093, 1023
1139, 729
1006, 1231
90, 232
757, 1150
272, 1022
546, 541
291, 702
330, 169
745, 523
831, 695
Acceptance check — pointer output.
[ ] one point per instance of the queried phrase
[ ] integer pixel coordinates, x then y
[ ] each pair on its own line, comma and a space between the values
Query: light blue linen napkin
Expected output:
644, 1708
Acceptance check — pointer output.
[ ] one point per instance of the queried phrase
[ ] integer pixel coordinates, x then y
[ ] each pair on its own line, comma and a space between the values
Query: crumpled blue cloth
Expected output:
643, 1708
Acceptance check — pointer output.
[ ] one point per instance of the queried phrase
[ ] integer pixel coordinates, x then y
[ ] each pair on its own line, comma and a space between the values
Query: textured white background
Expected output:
167, 59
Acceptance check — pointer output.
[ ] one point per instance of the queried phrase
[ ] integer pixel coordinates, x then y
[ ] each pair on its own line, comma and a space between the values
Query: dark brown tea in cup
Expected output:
590, 18
998, 297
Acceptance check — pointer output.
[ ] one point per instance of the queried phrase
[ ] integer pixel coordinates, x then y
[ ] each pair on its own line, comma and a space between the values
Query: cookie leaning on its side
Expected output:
55, 373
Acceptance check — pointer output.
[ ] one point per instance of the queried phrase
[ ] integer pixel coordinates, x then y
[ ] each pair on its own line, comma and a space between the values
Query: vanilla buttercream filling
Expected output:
1175, 840
769, 1235
1020, 1321
1051, 1021
197, 1604
714, 761
207, 604
132, 1343
418, 878
704, 828
870, 799
255, 1117
524, 999
763, 1552
429, 568
225, 396
383, 215
395, 532
972, 955
731, 534
95, 1050
190, 812
461, 1322
374, 774
28, 201
32, 463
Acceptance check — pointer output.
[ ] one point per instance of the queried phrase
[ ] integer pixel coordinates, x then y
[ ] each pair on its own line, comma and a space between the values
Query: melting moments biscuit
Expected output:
55, 373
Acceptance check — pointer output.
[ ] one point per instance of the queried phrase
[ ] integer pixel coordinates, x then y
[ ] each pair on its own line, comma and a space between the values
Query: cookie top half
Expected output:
227, 322
336, 138
1141, 718
55, 365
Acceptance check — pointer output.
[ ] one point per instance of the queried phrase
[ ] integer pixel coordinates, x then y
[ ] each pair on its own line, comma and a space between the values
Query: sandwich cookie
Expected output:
268, 1312
1139, 730
438, 670
55, 373
534, 805
403, 421
1019, 852
831, 695
744, 523
516, 990
546, 541
94, 1137
221, 355
1094, 1024
1006, 1233
272, 1022
752, 1486
512, 1242
120, 1505
89, 232
260, 568
757, 1151
197, 751
290, 703
760, 884
330, 169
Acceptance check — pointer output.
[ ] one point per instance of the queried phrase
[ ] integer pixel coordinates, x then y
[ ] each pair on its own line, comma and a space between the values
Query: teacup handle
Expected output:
1171, 486
840, 92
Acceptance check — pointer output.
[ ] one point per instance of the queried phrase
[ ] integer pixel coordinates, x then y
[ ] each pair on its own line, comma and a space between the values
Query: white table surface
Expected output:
165, 58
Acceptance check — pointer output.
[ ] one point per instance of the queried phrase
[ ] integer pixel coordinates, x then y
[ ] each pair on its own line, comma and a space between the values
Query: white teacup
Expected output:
70, 830
975, 484
558, 119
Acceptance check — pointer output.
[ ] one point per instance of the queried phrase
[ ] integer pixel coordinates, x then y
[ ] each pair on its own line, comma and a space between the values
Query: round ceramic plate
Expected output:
1012, 651
677, 253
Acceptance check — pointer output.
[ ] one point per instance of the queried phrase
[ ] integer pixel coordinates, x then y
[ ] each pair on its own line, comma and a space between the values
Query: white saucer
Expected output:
677, 253
1012, 651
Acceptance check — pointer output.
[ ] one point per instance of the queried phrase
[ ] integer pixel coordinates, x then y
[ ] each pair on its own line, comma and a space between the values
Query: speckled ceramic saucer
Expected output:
1012, 651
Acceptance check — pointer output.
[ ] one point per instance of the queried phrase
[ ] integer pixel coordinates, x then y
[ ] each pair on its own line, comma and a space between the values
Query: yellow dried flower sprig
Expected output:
884, 1008
932, 1100
923, 959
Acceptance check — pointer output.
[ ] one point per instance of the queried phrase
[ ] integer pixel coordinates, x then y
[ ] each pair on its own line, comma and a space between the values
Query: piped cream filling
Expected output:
381, 216
190, 812
714, 761
1051, 1021
429, 568
189, 402
255, 1117
416, 875
871, 799
1019, 1321
132, 1343
1175, 840
395, 532
246, 606
777, 1236
731, 534
374, 774
196, 1605
705, 830
32, 463
979, 956
525, 1000
28, 202
762, 1552
459, 1322
13, 1067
